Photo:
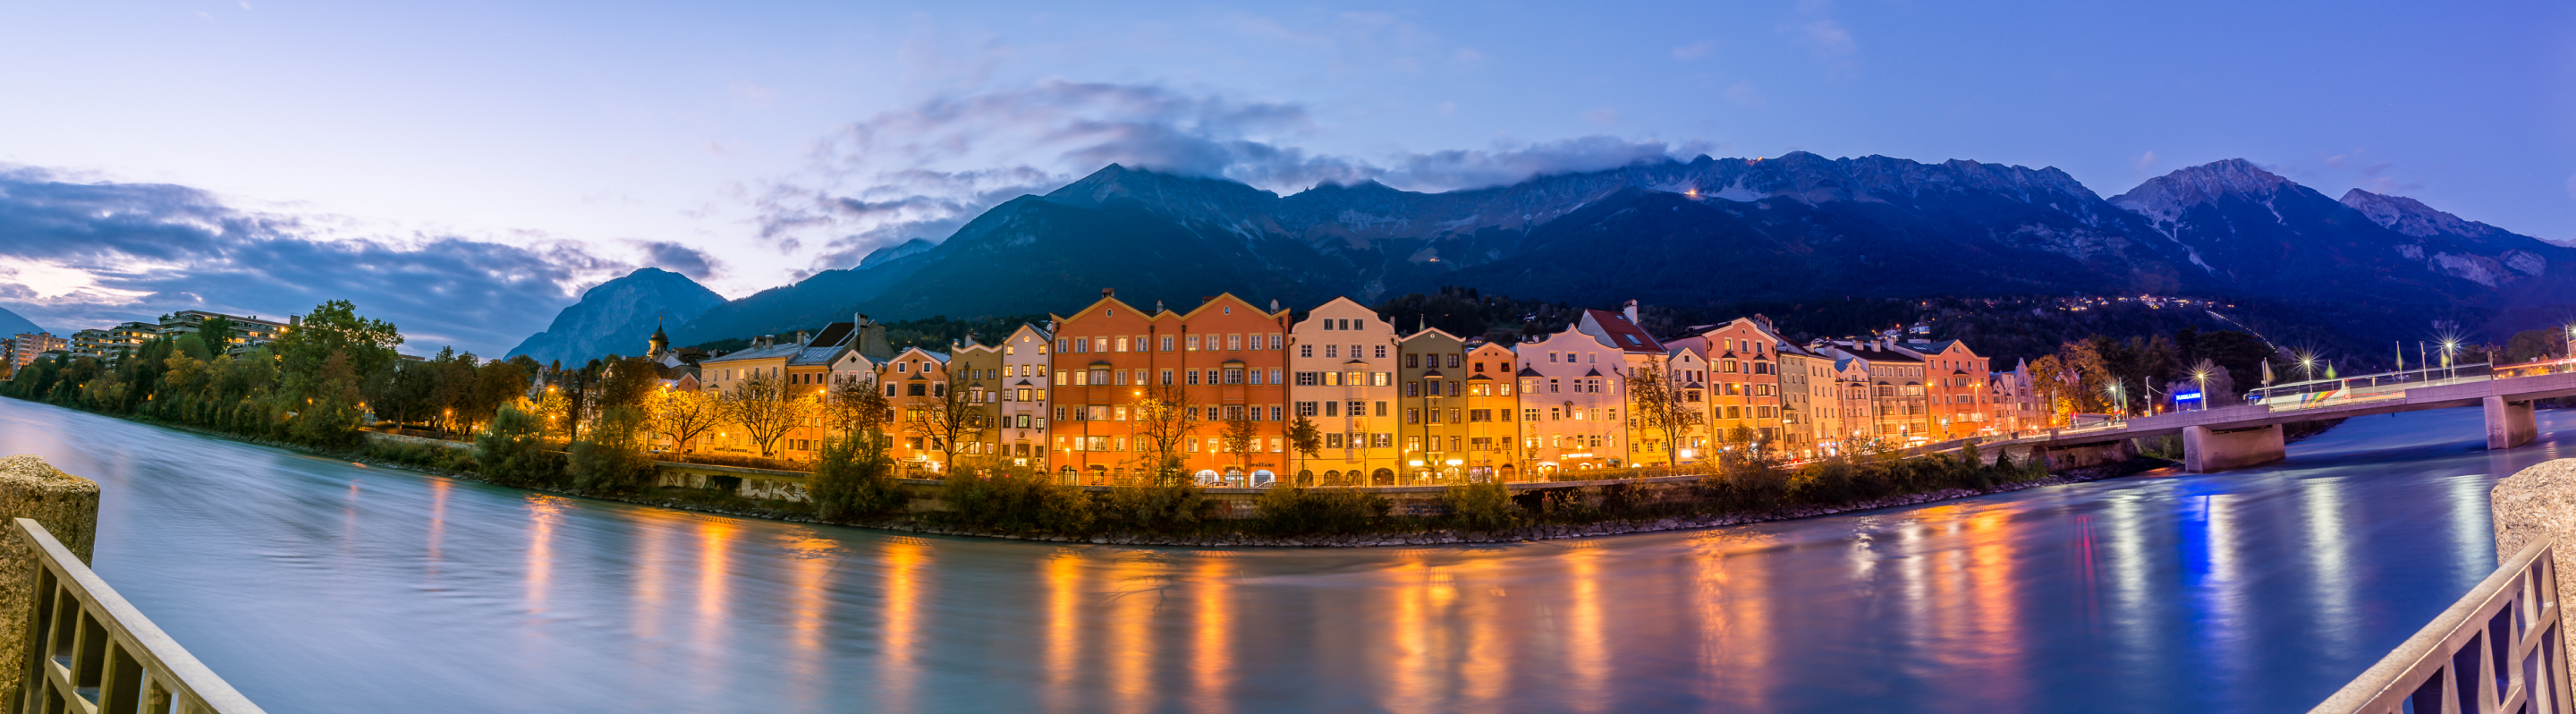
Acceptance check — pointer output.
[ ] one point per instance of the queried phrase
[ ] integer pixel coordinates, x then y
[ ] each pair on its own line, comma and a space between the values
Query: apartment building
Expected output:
1570, 402
1493, 411
1805, 378
1021, 434
1222, 361
247, 333
1433, 391
25, 347
924, 425
1893, 385
1744, 404
1342, 360
1955, 389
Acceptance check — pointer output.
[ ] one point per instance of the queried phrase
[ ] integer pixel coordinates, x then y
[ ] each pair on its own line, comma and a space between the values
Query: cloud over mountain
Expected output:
922, 171
77, 254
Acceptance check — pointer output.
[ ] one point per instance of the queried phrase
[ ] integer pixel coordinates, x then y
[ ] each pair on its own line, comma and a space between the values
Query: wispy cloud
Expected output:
1694, 50
81, 254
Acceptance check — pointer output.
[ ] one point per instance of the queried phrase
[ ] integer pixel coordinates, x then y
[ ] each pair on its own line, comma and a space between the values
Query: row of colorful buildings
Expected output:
1393, 403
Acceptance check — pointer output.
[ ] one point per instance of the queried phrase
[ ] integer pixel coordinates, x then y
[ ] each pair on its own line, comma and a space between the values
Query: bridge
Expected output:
2239, 436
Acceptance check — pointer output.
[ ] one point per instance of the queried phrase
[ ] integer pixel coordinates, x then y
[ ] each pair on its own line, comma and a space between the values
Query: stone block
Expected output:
67, 506
2535, 503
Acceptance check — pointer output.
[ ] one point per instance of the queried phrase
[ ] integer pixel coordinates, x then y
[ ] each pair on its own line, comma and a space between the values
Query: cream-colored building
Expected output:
1022, 435
1342, 359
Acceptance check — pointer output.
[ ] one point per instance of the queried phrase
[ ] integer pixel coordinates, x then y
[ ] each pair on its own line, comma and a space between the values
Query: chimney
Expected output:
1106, 293
1630, 311
801, 338
1158, 306
1274, 304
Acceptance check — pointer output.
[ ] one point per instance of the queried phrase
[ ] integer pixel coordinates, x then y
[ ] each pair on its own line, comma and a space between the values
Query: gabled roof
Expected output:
1621, 333
1594, 372
1526, 371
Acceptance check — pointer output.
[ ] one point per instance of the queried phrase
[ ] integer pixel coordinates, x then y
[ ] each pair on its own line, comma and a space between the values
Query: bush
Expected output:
854, 478
1169, 508
1481, 507
1014, 499
1290, 510
1746, 486
513, 453
612, 459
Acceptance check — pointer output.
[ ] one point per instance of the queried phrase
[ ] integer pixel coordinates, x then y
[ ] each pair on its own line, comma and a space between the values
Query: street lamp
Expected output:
2201, 377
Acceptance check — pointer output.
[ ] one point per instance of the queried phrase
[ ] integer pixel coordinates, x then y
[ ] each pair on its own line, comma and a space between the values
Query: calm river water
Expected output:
319, 586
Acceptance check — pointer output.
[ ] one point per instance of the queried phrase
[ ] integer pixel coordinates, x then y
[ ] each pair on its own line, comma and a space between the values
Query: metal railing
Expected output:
89, 651
2496, 650
2331, 392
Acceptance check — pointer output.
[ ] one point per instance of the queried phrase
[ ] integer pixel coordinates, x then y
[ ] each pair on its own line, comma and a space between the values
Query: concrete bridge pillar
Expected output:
2509, 424
2205, 450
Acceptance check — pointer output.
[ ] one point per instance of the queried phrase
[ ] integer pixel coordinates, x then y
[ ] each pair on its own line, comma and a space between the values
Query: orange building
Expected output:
1958, 380
1225, 359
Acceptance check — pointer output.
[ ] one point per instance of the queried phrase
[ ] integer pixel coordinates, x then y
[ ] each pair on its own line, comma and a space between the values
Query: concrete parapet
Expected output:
2085, 455
2535, 503
2509, 424
2205, 450
67, 506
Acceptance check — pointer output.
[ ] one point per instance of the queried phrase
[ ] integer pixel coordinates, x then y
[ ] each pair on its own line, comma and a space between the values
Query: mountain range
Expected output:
618, 316
1700, 232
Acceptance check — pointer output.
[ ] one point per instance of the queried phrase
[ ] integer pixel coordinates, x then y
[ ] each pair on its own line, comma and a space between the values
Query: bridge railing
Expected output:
2329, 392
89, 651
2497, 650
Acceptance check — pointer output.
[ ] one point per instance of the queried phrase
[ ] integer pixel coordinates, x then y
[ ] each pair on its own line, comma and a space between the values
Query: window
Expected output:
1412, 416
1332, 350
1275, 341
1357, 408
1530, 414
1382, 378
1413, 389
1234, 342
1122, 344
1381, 409
1413, 361
1332, 324
1274, 416
1381, 352
1194, 343
1234, 375
1308, 379
1274, 377
1307, 351
1305, 409
1063, 344
1412, 443
1167, 378
1167, 343
1333, 441
1194, 377
1453, 361
1256, 377
1551, 385
1233, 412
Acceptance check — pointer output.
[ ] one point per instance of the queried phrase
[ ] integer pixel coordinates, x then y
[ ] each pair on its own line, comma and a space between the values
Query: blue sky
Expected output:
555, 144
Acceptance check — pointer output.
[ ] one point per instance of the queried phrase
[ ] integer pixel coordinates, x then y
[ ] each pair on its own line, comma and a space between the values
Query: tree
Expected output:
1242, 437
765, 409
682, 416
329, 414
332, 328
1659, 404
854, 478
1304, 438
217, 334
949, 417
512, 451
612, 459
1164, 415
852, 405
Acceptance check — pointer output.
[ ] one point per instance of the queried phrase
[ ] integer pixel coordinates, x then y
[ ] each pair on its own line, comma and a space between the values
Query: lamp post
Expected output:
2201, 378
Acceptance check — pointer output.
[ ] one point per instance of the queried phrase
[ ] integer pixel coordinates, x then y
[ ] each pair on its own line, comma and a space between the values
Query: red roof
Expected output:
1624, 334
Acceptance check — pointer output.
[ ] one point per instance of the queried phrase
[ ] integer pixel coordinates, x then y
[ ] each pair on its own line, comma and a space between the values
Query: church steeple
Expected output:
661, 343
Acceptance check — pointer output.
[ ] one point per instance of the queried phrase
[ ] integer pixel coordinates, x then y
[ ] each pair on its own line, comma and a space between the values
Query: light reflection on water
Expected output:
317, 586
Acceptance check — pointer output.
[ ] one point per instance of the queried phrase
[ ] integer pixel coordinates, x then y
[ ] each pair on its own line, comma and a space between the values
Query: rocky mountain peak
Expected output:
2412, 217
2164, 197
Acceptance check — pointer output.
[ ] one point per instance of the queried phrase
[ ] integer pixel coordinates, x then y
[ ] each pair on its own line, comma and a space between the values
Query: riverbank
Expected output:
1387, 530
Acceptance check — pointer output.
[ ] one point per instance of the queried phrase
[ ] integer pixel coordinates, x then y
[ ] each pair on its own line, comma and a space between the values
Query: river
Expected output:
316, 585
